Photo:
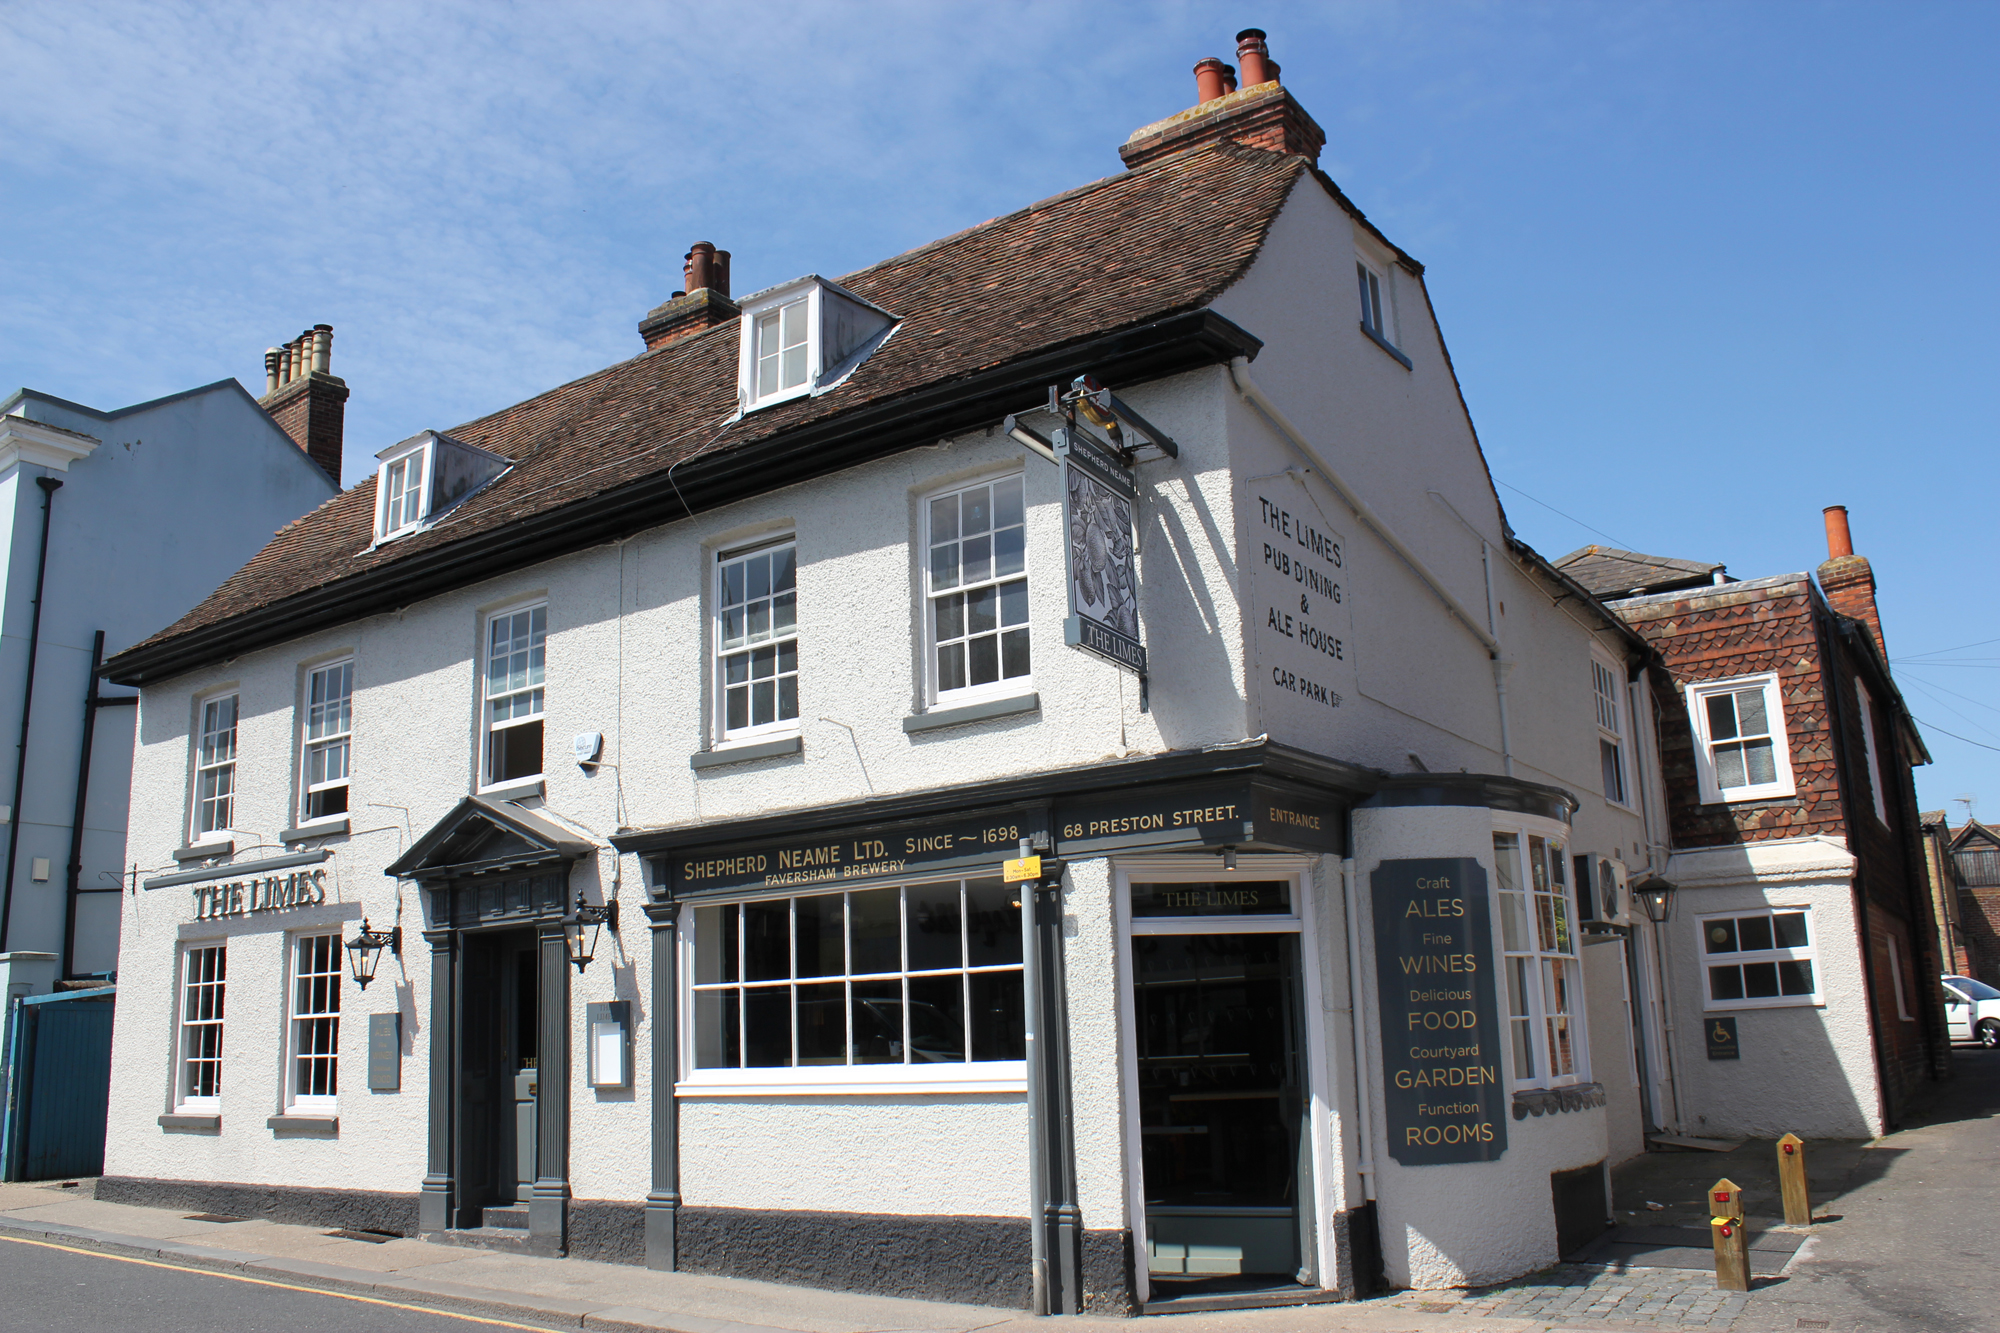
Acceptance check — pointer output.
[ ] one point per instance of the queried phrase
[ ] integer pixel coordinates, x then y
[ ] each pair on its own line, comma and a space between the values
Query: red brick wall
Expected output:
1979, 918
1727, 634
313, 412
1784, 628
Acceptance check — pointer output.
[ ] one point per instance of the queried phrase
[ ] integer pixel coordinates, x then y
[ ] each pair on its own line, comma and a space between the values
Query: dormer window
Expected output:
403, 493
426, 475
805, 337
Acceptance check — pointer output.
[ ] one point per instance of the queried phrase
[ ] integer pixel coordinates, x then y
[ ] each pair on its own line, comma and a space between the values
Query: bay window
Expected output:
1542, 983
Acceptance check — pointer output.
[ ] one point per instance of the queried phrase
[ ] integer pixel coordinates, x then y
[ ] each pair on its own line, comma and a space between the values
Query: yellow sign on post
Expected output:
1732, 1242
1027, 867
1792, 1180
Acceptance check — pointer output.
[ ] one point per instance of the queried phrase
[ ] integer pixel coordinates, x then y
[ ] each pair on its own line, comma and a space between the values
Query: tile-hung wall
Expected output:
808, 648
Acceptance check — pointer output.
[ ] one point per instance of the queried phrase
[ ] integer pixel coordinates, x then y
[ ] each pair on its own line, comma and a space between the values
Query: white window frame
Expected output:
1698, 694
748, 645
325, 742
846, 1079
222, 831
1867, 703
1378, 311
325, 983
1005, 687
413, 462
534, 685
805, 294
1809, 953
1541, 971
187, 1002
1608, 701
1896, 979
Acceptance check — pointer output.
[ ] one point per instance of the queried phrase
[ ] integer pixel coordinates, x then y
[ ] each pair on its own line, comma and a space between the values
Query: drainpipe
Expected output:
91, 703
1247, 390
49, 485
1364, 1087
1031, 1034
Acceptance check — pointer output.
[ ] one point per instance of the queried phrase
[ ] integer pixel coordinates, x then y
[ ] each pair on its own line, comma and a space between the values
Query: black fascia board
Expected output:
1263, 758
875, 430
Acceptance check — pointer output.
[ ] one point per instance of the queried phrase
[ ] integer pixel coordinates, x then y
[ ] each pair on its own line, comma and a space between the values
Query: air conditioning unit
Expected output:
1603, 893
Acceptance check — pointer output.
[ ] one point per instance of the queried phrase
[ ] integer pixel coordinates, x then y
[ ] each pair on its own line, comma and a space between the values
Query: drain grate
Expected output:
372, 1237
211, 1217
1815, 1323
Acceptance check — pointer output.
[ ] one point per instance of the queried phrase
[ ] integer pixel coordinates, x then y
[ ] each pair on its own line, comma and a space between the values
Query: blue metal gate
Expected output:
60, 1089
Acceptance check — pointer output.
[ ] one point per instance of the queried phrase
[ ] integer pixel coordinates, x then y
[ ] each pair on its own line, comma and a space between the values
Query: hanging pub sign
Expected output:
1098, 497
1441, 1034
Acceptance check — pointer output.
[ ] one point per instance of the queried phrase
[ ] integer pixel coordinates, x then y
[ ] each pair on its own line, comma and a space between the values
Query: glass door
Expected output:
1223, 1096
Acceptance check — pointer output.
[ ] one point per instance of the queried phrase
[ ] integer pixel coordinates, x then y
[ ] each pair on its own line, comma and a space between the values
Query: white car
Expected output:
1972, 1011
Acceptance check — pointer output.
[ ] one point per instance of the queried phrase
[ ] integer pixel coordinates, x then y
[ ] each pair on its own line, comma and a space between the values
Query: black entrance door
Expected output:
498, 1080
1222, 1103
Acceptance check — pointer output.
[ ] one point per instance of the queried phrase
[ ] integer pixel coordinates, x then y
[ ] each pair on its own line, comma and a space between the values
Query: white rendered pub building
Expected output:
670, 734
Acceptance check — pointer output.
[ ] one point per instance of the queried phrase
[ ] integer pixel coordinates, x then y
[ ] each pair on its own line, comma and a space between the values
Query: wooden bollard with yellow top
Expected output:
1792, 1180
1732, 1242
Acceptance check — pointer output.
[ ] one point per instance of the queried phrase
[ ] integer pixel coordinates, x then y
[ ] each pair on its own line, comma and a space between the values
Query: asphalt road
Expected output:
54, 1289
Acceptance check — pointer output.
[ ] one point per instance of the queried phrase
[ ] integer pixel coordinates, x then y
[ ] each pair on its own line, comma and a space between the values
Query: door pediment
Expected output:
482, 837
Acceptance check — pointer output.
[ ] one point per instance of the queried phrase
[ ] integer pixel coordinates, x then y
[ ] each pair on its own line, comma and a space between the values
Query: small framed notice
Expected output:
385, 1052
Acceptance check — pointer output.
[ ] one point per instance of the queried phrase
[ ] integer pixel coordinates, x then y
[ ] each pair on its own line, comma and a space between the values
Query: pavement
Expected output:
1904, 1239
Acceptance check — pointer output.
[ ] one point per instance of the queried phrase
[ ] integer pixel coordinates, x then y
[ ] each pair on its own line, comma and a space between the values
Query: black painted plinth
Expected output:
357, 1210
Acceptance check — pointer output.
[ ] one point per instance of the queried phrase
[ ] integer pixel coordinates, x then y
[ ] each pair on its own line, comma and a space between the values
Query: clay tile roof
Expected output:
1118, 253
1609, 572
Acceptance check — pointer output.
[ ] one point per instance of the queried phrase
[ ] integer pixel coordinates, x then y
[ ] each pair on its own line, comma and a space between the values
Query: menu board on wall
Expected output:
1442, 1040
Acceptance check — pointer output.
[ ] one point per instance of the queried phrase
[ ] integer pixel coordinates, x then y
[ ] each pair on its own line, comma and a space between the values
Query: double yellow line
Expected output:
281, 1286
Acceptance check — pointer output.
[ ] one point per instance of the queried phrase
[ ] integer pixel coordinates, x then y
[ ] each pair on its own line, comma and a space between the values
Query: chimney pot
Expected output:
322, 359
721, 272
1253, 57
1839, 541
273, 362
1228, 79
699, 269
1208, 80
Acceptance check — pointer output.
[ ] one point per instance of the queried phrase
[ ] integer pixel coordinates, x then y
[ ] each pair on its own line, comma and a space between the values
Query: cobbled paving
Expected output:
1597, 1296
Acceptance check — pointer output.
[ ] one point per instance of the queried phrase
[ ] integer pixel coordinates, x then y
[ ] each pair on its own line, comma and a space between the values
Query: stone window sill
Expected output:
984, 711
739, 754
308, 1124
205, 851
512, 791
191, 1124
1387, 346
318, 828
1554, 1101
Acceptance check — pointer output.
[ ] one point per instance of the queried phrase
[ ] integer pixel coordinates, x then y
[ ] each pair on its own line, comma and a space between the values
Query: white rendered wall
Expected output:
1806, 1070
1438, 1222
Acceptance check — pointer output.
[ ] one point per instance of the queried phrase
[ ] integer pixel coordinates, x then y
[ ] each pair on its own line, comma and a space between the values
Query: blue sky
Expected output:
1703, 268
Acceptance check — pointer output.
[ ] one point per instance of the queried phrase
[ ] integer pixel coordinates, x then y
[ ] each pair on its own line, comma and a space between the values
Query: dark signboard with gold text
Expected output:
1210, 814
1181, 815
1442, 1041
978, 843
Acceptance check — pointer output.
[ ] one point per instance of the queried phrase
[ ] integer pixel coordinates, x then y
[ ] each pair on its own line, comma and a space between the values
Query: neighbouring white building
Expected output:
779, 641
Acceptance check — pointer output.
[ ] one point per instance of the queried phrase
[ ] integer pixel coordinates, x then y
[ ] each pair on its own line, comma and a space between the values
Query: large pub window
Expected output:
920, 974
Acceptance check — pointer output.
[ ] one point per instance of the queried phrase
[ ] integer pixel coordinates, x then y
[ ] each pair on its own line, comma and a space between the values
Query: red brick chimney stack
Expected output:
1260, 114
305, 398
704, 304
1847, 579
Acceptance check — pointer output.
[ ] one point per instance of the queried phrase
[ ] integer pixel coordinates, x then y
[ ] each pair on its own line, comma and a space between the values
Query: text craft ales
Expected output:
1438, 1019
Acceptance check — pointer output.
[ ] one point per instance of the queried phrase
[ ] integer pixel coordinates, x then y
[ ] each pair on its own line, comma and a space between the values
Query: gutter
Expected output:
1164, 347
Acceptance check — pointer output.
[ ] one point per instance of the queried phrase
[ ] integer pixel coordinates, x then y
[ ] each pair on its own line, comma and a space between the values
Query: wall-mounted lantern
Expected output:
582, 927
1656, 895
364, 951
